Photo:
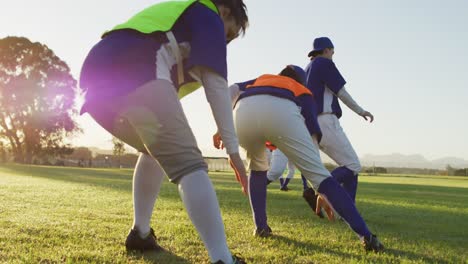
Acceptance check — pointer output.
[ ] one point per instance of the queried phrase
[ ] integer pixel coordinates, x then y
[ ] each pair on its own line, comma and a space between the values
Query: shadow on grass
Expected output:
414, 257
364, 256
310, 246
395, 253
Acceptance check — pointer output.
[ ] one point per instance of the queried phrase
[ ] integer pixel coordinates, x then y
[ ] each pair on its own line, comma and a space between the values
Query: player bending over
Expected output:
279, 109
135, 77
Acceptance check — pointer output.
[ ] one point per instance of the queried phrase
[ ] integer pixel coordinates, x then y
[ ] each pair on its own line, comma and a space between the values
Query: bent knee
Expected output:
355, 167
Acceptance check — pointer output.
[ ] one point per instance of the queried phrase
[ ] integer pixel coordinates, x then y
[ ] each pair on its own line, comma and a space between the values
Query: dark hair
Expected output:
315, 53
291, 73
238, 11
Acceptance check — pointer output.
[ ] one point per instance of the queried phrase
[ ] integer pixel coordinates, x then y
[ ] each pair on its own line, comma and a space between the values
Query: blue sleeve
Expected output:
207, 41
331, 76
309, 112
243, 85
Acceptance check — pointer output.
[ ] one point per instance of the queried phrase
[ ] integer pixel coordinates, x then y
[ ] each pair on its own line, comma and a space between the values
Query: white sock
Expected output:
201, 203
147, 180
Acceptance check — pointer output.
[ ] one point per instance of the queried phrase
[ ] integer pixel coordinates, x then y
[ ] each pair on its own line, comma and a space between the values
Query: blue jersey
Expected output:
125, 59
325, 81
304, 101
203, 29
243, 85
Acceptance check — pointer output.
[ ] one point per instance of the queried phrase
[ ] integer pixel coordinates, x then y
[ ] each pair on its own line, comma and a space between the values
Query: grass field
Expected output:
70, 215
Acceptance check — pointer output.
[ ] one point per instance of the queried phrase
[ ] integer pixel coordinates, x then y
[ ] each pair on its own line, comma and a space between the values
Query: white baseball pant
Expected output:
262, 118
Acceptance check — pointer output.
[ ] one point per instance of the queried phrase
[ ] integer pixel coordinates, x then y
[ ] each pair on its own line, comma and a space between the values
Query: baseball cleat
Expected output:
263, 232
324, 207
235, 260
311, 198
135, 242
372, 244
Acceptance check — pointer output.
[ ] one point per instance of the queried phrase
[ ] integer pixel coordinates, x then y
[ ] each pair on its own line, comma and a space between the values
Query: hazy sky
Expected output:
406, 61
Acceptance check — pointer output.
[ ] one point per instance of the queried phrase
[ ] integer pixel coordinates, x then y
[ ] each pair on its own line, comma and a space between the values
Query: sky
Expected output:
406, 62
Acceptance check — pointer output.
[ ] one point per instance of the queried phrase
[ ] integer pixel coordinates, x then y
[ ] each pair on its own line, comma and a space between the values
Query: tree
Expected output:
450, 169
3, 153
461, 172
380, 170
37, 93
119, 148
81, 153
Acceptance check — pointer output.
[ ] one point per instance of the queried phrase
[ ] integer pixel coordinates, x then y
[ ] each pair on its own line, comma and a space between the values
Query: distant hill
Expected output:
395, 160
452, 161
412, 161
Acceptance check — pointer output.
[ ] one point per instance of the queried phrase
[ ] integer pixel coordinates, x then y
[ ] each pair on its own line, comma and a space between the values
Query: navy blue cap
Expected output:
300, 73
321, 44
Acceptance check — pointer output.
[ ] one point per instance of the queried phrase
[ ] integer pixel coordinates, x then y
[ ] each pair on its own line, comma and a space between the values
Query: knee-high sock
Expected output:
286, 182
305, 185
342, 203
201, 203
348, 179
340, 174
257, 193
147, 181
350, 185
281, 181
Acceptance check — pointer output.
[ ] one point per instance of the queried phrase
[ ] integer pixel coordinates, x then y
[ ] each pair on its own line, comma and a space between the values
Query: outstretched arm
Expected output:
235, 92
348, 100
218, 96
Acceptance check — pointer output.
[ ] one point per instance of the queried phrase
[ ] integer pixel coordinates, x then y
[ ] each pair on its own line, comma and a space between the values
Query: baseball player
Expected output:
328, 86
277, 166
279, 109
278, 163
135, 77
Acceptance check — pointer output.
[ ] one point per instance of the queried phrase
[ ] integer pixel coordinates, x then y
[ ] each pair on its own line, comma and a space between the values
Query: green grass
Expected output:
68, 215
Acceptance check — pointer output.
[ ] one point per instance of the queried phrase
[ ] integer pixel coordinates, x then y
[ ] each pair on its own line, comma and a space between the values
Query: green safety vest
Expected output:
161, 18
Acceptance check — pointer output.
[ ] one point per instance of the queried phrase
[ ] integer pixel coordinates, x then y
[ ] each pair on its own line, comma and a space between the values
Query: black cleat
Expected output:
372, 244
311, 199
235, 260
284, 188
135, 242
266, 232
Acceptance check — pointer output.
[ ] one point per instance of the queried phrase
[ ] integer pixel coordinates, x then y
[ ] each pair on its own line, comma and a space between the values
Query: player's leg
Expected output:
305, 184
337, 146
200, 201
252, 140
258, 187
348, 179
269, 155
147, 177
297, 145
147, 180
291, 171
281, 180
165, 132
277, 166
310, 196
